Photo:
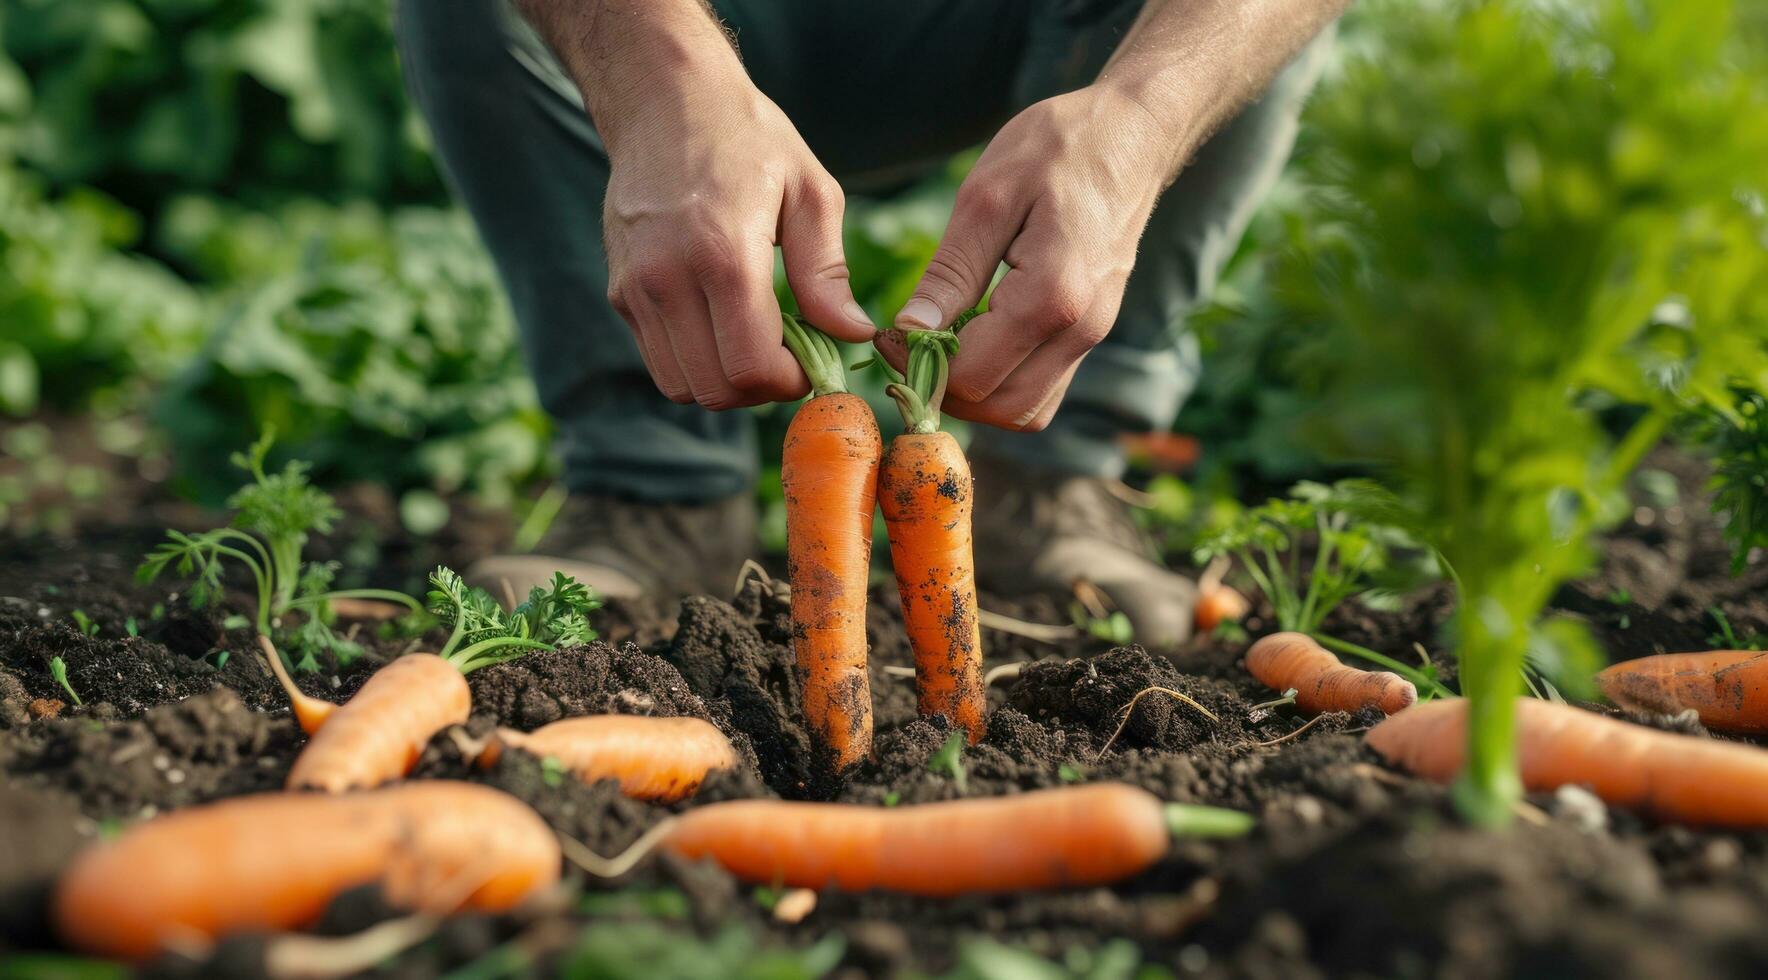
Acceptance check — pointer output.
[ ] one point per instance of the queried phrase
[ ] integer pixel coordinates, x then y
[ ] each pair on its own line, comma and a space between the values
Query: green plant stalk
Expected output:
817, 354
922, 389
387, 595
476, 656
1191, 820
1490, 786
1418, 678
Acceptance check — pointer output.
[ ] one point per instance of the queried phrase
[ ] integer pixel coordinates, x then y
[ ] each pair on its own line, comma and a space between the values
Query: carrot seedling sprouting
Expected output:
58, 669
949, 760
84, 622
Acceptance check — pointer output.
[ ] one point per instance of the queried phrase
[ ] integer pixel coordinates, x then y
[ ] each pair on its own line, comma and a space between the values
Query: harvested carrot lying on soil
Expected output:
829, 471
378, 735
658, 759
1293, 660
1054, 838
1674, 777
274, 861
1217, 605
1727, 688
927, 494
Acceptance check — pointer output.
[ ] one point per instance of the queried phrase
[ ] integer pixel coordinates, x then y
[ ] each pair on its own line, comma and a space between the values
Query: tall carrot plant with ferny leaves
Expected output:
274, 514
1568, 253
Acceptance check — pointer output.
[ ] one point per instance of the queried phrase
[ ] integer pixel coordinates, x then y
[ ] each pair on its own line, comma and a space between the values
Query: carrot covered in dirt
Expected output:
1727, 688
1283, 661
1674, 777
927, 494
1070, 837
378, 735
829, 471
275, 860
657, 759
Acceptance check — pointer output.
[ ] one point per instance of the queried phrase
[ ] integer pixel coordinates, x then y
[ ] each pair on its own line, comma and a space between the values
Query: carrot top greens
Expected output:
482, 634
275, 513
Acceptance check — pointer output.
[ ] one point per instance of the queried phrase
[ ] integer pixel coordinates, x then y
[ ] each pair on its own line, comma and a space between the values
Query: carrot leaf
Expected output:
949, 759
555, 615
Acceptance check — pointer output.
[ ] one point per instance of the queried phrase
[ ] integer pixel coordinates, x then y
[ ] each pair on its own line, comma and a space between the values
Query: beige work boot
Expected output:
1040, 531
625, 549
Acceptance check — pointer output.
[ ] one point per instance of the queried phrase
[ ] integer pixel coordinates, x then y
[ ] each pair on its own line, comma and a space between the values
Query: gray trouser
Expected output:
882, 91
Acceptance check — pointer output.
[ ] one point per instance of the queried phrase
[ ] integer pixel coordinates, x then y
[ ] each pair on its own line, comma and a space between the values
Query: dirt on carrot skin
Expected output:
1352, 870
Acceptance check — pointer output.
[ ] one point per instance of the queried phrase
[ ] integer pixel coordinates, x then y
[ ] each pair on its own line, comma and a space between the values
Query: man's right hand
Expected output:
708, 175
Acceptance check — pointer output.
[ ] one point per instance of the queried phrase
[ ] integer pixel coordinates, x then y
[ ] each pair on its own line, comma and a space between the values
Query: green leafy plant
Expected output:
84, 622
1737, 434
58, 669
1351, 526
274, 516
949, 761
481, 633
1727, 638
1553, 212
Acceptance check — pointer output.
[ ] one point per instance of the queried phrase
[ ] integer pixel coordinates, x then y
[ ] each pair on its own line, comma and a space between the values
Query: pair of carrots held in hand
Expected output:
835, 470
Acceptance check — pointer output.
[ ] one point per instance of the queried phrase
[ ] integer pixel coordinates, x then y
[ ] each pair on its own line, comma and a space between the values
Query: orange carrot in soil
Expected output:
1293, 660
658, 759
1070, 837
927, 494
275, 860
379, 733
829, 471
1727, 688
1674, 777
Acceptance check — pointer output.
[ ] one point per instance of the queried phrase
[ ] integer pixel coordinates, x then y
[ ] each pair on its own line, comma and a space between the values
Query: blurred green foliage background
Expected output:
223, 213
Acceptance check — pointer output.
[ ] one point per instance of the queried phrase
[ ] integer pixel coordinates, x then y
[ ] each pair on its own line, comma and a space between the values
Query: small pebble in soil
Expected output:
1581, 808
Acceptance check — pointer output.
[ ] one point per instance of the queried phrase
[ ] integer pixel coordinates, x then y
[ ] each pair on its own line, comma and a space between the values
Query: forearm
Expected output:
633, 57
1192, 64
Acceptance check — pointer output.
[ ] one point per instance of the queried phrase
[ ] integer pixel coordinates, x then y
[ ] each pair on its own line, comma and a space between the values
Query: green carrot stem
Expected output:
816, 354
919, 395
1191, 820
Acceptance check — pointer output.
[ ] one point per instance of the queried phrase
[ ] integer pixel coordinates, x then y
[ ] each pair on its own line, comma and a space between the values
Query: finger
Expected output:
1039, 299
653, 346
1035, 389
689, 332
816, 263
985, 219
745, 322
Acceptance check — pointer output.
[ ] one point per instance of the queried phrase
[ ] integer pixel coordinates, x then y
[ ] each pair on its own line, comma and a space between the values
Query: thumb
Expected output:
816, 266
982, 226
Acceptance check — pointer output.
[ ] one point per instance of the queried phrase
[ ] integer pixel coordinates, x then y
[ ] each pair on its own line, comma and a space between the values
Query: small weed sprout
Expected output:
58, 669
949, 760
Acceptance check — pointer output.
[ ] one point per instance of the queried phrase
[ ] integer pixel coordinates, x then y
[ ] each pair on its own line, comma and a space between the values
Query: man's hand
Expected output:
707, 176
1062, 194
1064, 190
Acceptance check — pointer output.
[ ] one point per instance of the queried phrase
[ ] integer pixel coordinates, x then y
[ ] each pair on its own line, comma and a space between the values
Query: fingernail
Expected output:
920, 314
857, 314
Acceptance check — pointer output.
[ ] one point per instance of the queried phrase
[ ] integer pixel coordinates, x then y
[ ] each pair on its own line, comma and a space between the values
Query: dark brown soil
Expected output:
1352, 871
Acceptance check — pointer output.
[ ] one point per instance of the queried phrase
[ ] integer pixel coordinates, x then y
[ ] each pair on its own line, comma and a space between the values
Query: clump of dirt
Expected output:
1089, 698
547, 685
723, 658
131, 674
203, 747
42, 834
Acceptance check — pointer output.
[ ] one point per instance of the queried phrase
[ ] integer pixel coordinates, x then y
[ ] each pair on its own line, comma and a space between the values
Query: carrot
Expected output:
1283, 661
1074, 836
378, 735
1674, 777
829, 471
658, 759
1727, 688
274, 861
927, 495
